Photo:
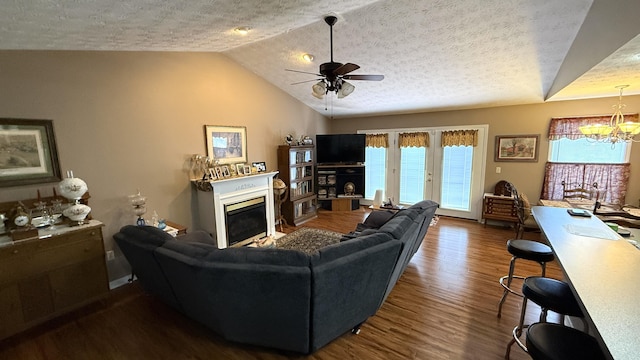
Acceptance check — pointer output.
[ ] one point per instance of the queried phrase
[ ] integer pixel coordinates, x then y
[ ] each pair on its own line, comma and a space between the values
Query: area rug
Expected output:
308, 240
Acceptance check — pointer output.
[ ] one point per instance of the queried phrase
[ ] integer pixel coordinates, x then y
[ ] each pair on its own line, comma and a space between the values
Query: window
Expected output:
456, 177
375, 171
412, 167
578, 160
586, 151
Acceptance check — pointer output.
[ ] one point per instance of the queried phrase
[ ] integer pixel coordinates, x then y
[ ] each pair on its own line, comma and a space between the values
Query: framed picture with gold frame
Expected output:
226, 144
523, 148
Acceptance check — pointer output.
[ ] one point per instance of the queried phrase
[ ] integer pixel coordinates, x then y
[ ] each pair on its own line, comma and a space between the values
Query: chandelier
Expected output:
617, 130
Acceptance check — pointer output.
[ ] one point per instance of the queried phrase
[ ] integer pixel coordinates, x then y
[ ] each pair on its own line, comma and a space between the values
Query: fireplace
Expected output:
236, 211
246, 221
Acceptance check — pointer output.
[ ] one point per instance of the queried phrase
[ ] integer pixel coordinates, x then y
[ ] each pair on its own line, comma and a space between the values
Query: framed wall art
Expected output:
517, 148
226, 144
28, 152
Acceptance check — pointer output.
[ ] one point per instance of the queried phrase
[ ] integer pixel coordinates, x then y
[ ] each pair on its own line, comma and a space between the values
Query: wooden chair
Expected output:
578, 191
526, 222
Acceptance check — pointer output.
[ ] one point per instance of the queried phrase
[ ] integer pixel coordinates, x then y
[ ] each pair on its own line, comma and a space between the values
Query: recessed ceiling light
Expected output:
242, 30
307, 57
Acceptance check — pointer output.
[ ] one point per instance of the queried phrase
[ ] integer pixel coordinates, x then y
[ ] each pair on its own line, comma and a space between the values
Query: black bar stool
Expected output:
547, 341
527, 250
549, 294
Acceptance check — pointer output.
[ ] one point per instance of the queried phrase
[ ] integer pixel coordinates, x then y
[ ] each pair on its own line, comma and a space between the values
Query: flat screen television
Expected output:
340, 148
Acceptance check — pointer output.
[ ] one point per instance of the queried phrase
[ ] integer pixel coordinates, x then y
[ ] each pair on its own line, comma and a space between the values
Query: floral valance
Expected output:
568, 127
414, 139
459, 138
377, 140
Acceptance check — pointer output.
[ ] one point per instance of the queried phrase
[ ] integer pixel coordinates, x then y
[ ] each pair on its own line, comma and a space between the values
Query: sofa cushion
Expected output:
250, 295
348, 282
198, 236
262, 256
335, 251
138, 244
193, 249
401, 221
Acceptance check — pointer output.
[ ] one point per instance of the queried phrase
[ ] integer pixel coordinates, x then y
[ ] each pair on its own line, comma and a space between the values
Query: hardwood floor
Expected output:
443, 307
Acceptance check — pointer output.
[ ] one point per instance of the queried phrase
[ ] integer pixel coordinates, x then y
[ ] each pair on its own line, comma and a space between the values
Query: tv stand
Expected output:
331, 181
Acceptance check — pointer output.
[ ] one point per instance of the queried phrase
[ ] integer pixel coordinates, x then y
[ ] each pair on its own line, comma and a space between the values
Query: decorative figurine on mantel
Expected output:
138, 202
73, 188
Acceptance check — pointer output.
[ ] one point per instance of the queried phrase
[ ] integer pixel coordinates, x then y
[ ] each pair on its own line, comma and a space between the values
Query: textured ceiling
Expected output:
435, 54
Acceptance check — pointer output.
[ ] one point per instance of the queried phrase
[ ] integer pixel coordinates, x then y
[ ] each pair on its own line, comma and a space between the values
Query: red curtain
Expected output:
612, 179
568, 127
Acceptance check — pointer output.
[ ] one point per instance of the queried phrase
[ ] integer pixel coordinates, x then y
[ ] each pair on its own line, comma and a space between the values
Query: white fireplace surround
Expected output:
211, 204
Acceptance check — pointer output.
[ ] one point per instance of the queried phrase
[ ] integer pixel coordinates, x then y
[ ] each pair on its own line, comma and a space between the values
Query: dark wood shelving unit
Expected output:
296, 165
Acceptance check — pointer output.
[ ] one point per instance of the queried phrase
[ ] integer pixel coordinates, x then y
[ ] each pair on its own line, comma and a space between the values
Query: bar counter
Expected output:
603, 270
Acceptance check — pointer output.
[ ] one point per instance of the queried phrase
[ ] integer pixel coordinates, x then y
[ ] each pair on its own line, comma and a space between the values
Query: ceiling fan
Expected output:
333, 74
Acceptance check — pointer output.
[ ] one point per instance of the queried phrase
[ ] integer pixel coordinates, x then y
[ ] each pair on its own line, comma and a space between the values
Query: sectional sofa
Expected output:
283, 299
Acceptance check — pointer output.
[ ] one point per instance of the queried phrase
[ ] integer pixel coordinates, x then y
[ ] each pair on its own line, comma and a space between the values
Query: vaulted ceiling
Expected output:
434, 54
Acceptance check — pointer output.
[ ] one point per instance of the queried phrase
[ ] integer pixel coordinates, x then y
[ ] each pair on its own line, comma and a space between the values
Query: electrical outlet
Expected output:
498, 169
110, 255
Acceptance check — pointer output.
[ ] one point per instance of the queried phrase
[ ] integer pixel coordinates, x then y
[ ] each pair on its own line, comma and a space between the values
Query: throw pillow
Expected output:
377, 219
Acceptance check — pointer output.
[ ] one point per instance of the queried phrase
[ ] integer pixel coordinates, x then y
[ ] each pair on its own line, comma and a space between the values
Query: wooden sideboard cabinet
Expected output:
501, 208
41, 278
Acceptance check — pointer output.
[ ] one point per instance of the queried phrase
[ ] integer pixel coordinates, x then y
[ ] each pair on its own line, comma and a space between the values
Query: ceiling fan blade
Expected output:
364, 77
302, 72
346, 68
306, 81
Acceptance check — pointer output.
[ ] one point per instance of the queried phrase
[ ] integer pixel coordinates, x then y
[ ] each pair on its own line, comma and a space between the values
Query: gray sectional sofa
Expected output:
283, 299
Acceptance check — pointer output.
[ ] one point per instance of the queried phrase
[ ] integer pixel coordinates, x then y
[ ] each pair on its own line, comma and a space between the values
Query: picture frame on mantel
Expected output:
226, 144
520, 148
28, 152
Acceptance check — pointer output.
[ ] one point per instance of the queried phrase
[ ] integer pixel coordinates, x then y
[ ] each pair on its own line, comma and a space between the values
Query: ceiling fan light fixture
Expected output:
319, 89
307, 57
345, 89
242, 30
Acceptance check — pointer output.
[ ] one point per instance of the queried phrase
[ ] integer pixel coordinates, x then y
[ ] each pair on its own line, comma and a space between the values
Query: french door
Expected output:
453, 176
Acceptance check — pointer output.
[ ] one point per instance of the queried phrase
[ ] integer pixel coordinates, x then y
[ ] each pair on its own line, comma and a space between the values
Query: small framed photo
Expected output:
218, 170
247, 170
226, 173
523, 148
260, 166
212, 174
240, 169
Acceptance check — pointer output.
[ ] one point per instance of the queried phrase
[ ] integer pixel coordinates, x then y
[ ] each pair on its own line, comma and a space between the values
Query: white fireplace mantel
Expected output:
211, 204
